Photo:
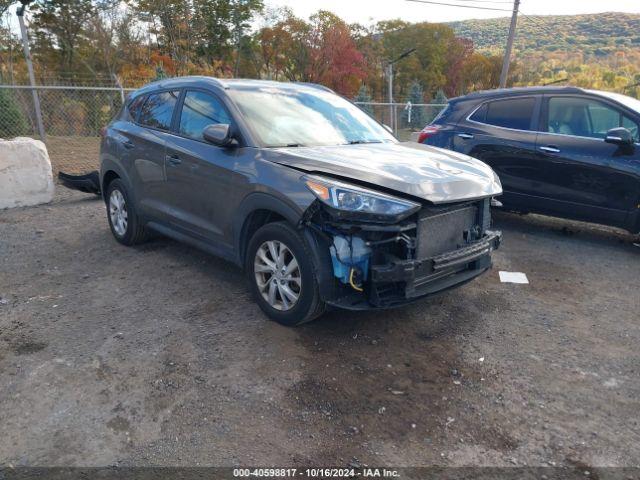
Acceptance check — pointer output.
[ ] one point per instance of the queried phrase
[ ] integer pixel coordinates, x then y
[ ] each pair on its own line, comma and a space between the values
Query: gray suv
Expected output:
318, 202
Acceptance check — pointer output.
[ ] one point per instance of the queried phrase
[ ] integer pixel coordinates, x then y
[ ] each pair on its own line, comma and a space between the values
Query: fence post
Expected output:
32, 78
119, 85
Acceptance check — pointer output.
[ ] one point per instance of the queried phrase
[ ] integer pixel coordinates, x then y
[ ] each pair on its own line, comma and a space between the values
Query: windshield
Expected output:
282, 117
628, 102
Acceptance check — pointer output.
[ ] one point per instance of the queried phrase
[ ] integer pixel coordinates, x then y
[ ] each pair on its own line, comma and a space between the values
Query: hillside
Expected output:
597, 34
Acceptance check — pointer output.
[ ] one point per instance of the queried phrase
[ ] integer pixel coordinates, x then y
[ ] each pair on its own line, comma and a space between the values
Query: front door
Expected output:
201, 176
589, 178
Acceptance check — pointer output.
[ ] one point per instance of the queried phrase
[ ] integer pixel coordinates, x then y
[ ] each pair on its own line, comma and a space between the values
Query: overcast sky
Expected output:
362, 11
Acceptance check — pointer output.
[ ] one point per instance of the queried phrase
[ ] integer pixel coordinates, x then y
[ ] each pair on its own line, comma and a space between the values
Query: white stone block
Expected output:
25, 173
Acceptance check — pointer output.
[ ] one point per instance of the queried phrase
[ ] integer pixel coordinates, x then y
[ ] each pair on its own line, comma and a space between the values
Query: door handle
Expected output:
173, 160
550, 149
466, 136
128, 144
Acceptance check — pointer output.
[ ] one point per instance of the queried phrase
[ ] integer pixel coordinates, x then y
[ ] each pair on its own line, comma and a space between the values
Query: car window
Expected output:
584, 117
305, 116
134, 106
442, 113
632, 127
199, 110
480, 114
157, 111
513, 113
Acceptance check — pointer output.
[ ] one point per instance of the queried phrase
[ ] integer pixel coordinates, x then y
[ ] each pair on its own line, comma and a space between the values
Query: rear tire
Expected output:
281, 275
123, 219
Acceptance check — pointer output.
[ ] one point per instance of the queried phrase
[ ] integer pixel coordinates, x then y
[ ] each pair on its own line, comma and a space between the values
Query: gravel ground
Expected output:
157, 355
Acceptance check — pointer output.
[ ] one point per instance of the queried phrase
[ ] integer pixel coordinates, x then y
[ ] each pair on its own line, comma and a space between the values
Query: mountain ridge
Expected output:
598, 34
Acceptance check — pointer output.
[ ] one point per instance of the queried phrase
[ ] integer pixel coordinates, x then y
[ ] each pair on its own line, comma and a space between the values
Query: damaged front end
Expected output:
383, 255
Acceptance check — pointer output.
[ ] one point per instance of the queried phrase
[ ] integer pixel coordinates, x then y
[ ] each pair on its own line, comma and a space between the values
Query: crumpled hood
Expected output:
430, 173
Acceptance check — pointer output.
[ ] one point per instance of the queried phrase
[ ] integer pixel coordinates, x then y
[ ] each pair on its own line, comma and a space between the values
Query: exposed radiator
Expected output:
441, 231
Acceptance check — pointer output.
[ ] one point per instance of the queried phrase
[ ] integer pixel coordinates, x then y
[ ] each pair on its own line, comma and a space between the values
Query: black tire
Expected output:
309, 304
135, 232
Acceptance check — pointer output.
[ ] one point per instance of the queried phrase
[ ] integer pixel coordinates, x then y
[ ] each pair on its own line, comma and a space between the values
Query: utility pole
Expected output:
507, 53
32, 78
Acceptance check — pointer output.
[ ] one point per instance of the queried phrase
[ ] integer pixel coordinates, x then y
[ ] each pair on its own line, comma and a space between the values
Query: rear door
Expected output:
200, 175
146, 141
501, 133
591, 179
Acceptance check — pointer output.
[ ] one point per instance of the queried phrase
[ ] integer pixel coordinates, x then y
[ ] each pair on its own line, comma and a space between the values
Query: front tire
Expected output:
281, 275
122, 216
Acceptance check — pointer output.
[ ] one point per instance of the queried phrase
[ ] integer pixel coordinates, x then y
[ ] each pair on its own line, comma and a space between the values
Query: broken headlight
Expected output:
351, 201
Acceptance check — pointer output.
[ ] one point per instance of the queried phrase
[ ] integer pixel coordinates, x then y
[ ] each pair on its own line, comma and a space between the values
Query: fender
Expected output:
318, 246
108, 164
260, 201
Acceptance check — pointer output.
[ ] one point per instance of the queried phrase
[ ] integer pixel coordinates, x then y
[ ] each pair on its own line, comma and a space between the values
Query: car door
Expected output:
590, 178
201, 177
146, 142
501, 133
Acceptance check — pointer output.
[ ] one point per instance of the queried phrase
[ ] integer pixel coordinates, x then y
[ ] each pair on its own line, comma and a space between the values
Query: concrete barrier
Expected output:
25, 173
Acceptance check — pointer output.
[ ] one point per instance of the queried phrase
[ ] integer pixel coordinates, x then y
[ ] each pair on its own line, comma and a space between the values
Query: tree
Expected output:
363, 96
222, 28
416, 96
432, 112
170, 21
60, 27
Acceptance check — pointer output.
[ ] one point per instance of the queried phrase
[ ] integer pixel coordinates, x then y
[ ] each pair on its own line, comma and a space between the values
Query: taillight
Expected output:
427, 132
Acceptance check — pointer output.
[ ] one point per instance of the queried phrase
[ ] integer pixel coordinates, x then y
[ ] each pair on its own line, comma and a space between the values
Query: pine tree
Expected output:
160, 73
416, 96
364, 96
432, 112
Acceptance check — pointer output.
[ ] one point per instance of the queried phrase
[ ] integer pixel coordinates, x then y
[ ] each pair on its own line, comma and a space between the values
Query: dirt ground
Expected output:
156, 355
73, 154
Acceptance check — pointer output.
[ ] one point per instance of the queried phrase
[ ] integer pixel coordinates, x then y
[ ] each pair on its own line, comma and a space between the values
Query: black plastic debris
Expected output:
88, 183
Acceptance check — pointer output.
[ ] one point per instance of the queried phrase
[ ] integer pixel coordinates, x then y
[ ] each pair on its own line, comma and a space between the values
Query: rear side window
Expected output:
198, 111
445, 111
515, 113
135, 105
157, 111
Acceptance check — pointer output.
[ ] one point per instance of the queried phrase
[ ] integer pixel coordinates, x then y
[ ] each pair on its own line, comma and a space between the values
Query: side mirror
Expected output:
219, 134
619, 136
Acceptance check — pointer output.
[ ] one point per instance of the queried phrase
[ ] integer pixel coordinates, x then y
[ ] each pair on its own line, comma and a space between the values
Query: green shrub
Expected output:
13, 122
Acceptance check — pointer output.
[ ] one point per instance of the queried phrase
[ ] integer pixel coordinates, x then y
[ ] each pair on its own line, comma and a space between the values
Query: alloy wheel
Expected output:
277, 275
118, 212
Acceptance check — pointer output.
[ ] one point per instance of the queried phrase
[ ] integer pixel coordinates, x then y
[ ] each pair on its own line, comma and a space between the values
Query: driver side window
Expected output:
583, 117
199, 110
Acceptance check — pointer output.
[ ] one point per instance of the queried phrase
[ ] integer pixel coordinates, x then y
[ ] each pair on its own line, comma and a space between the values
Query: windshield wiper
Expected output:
361, 142
287, 145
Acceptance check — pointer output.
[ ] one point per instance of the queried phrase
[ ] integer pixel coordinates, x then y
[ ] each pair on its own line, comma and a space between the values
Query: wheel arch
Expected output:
256, 210
108, 177
109, 171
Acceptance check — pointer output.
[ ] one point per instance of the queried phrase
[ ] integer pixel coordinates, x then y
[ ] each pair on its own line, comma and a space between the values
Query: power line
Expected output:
485, 1
462, 6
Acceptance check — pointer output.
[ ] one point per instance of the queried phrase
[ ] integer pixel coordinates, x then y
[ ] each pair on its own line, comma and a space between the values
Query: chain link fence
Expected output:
73, 117
404, 119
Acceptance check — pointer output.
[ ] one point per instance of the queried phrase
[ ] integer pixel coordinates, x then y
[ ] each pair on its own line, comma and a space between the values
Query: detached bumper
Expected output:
403, 281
